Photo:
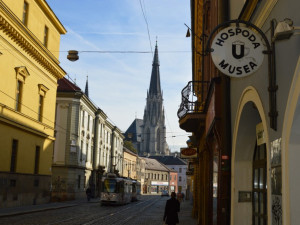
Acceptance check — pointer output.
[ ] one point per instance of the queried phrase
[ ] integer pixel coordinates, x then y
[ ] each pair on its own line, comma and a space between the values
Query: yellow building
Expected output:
129, 163
29, 70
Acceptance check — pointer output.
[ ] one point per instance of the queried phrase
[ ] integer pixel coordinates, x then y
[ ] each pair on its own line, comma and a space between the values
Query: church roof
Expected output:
154, 88
64, 85
135, 130
86, 92
169, 160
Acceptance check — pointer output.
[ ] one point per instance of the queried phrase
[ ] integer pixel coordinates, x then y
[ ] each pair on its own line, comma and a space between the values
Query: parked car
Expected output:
164, 193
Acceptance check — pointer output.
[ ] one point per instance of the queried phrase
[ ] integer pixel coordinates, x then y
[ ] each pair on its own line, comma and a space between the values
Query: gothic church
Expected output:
148, 135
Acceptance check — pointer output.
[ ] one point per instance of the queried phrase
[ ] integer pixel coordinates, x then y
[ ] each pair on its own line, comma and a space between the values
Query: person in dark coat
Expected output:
88, 193
171, 210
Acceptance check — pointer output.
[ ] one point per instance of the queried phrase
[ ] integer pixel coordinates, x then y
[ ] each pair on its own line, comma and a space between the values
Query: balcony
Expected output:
191, 112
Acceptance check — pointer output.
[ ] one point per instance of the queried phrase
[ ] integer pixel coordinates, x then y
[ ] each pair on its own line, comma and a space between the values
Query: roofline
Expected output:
51, 15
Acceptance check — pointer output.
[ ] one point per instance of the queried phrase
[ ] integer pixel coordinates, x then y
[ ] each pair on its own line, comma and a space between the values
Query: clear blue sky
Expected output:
118, 82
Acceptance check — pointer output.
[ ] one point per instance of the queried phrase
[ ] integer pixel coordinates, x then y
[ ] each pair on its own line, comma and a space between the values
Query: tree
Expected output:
129, 145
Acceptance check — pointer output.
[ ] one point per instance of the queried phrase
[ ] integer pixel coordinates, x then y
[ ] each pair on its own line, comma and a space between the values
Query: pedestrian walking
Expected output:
171, 210
179, 196
88, 193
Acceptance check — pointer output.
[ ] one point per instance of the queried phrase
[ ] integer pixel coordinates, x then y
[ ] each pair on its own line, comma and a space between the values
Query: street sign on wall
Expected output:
188, 153
237, 51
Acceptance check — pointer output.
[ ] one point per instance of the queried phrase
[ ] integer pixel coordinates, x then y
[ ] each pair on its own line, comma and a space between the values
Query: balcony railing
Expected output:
193, 97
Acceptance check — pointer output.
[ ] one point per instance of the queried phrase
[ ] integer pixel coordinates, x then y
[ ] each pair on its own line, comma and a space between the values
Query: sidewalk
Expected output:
20, 210
185, 214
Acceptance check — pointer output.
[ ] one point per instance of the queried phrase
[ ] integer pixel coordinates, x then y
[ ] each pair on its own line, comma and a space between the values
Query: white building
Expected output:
86, 144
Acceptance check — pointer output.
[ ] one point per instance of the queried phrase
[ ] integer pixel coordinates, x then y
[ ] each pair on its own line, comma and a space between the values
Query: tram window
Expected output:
110, 186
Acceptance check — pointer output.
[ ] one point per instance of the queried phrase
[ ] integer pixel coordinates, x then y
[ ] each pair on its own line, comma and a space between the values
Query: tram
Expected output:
116, 190
136, 191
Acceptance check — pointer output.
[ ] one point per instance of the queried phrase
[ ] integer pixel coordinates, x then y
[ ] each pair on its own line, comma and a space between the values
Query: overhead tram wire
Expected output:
146, 21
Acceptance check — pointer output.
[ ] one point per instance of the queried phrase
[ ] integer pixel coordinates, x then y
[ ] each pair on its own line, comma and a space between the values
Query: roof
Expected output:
129, 151
136, 130
169, 160
153, 164
64, 85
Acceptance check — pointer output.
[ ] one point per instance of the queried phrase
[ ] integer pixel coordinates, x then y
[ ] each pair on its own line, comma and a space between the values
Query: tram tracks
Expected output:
123, 216
108, 215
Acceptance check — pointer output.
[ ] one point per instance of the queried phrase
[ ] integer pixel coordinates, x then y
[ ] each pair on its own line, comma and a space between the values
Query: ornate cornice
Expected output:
28, 42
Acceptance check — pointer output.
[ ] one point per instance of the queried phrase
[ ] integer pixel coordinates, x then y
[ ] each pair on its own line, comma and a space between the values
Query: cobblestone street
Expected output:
149, 210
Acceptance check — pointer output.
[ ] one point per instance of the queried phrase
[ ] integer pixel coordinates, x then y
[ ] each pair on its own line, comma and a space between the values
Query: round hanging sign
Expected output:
237, 51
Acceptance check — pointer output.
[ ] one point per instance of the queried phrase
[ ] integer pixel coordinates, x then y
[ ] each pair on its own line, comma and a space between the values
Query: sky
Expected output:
118, 82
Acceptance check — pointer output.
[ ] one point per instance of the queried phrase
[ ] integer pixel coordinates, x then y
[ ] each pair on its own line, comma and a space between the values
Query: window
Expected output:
46, 31
82, 119
86, 151
41, 107
25, 13
88, 123
180, 170
259, 200
37, 160
78, 184
92, 147
19, 95
81, 146
13, 160
42, 93
179, 178
157, 176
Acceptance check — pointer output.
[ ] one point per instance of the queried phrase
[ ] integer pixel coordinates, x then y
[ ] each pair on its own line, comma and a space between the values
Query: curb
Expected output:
35, 210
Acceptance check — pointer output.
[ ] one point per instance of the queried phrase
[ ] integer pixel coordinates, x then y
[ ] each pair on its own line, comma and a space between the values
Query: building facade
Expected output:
129, 164
205, 111
178, 165
156, 177
86, 146
265, 109
29, 72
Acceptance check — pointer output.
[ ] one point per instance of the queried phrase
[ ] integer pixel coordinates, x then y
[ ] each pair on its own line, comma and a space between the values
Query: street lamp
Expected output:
72, 55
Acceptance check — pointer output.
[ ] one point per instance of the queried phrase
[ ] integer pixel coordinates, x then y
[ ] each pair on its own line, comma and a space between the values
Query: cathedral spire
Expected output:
86, 92
154, 88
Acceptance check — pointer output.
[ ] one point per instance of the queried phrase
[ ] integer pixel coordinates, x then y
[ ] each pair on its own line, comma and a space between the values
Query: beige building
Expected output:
129, 164
29, 70
156, 177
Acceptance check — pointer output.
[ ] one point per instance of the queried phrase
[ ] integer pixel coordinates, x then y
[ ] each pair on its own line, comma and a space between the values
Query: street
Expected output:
149, 210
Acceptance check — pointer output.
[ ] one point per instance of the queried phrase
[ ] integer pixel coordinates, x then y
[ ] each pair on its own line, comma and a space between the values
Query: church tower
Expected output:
154, 129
